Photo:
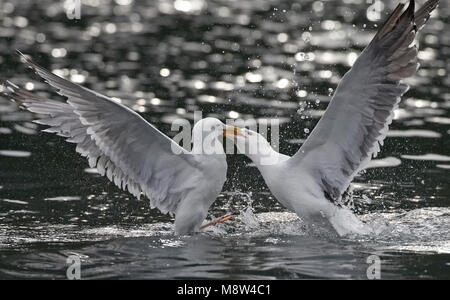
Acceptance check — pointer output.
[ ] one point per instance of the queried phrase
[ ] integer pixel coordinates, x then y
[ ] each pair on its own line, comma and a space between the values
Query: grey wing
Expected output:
117, 141
356, 121
422, 15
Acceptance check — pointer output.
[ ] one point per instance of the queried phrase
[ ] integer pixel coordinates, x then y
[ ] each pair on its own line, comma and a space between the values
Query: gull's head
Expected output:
255, 146
216, 128
209, 127
250, 142
208, 134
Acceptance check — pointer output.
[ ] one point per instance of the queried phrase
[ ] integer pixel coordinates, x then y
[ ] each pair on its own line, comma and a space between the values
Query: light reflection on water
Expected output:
246, 59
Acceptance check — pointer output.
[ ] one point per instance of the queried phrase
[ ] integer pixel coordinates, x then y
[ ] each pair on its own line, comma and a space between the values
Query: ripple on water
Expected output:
15, 201
26, 129
439, 120
414, 133
91, 171
15, 153
428, 156
5, 130
63, 198
384, 162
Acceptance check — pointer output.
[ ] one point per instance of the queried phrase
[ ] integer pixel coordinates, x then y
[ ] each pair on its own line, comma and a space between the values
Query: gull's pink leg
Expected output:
217, 221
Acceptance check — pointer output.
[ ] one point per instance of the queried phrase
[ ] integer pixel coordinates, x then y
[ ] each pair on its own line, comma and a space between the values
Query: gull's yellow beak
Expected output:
232, 131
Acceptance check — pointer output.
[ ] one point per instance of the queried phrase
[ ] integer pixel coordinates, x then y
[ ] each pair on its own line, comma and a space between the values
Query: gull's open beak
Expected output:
232, 131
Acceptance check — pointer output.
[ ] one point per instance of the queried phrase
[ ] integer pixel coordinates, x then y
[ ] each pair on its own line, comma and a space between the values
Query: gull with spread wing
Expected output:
350, 132
131, 152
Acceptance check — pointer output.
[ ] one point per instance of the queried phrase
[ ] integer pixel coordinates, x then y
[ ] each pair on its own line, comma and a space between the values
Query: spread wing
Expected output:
116, 140
357, 118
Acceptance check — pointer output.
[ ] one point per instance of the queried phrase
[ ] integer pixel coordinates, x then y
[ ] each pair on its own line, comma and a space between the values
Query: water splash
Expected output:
247, 215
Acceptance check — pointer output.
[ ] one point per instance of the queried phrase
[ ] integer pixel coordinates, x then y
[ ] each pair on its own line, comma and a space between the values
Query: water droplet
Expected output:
306, 36
282, 83
302, 93
300, 56
164, 72
282, 37
155, 101
233, 114
29, 86
59, 52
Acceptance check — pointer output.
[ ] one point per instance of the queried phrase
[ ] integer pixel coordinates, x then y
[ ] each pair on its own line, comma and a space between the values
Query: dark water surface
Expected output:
230, 59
